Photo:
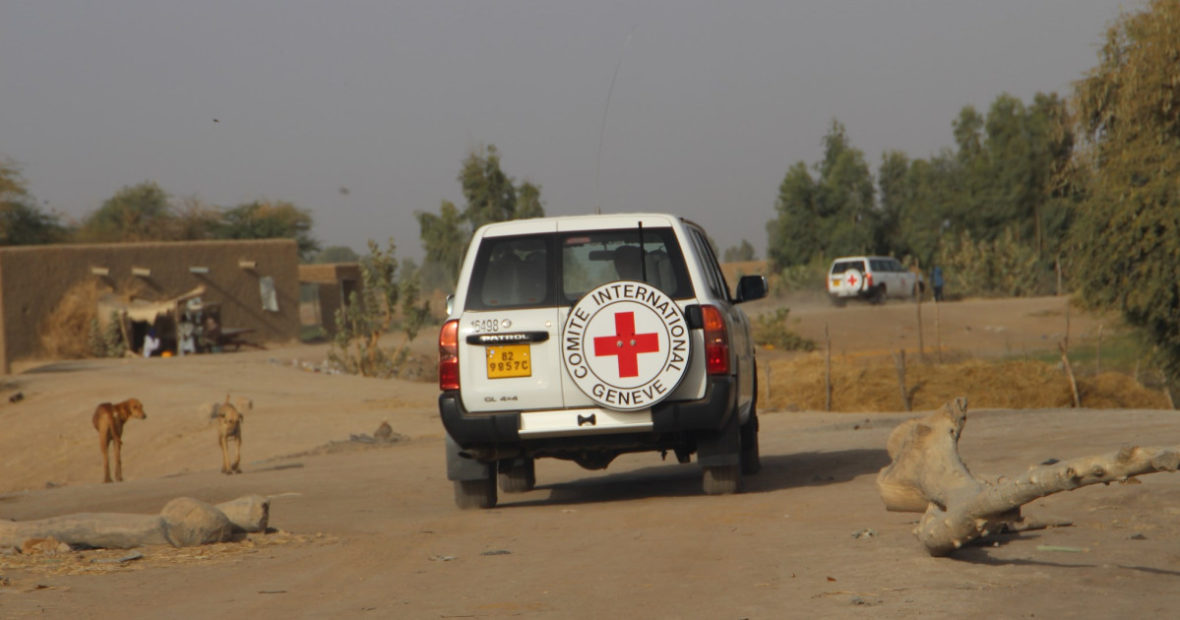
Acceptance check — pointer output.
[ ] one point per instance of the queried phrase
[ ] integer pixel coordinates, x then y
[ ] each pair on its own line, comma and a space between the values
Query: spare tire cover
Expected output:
626, 345
854, 279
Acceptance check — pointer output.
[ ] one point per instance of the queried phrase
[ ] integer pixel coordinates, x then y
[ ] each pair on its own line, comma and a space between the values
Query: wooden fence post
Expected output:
828, 369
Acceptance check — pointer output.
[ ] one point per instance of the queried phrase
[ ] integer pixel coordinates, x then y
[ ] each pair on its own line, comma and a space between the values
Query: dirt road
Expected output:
373, 532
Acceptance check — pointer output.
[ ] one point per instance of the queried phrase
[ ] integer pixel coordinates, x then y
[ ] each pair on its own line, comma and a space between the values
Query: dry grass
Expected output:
871, 384
65, 332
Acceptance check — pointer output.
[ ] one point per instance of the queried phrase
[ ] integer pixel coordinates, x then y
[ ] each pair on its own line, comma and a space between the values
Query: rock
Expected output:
250, 513
189, 522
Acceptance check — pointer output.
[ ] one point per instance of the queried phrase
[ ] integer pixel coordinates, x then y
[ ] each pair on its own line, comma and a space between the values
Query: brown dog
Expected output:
108, 421
229, 428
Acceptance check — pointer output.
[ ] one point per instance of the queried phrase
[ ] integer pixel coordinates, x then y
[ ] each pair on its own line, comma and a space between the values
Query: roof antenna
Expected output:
602, 127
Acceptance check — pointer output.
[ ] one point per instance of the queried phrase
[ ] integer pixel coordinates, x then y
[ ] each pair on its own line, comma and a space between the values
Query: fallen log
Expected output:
183, 522
927, 475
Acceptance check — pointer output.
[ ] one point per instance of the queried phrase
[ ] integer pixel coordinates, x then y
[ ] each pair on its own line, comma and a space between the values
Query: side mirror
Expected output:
450, 304
750, 288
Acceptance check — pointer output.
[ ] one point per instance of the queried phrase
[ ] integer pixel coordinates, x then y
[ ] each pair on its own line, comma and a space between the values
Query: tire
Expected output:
721, 479
750, 457
879, 294
471, 494
751, 460
517, 475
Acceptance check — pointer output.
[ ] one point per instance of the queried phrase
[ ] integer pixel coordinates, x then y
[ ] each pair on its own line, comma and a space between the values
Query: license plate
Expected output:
509, 360
835, 281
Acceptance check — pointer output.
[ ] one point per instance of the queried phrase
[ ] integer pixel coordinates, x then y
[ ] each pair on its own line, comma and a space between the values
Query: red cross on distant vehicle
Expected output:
626, 344
852, 279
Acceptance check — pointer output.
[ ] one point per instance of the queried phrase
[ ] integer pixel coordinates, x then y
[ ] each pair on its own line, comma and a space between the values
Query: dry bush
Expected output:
870, 384
65, 332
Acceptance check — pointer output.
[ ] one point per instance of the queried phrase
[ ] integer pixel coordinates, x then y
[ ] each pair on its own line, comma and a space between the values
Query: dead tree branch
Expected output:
927, 475
183, 522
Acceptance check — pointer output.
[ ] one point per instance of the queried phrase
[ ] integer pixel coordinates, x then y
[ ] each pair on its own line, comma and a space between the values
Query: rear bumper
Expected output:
712, 412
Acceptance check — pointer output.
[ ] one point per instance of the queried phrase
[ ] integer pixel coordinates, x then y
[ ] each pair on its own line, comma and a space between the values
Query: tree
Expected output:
831, 215
195, 220
336, 254
384, 300
444, 239
489, 192
739, 253
135, 213
1126, 237
792, 238
21, 222
528, 201
269, 220
491, 197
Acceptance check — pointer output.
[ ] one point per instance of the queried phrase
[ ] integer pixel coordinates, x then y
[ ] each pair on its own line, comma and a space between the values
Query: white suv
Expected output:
872, 278
586, 337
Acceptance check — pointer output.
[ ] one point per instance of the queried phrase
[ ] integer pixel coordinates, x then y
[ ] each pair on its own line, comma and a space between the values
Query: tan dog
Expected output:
229, 428
108, 421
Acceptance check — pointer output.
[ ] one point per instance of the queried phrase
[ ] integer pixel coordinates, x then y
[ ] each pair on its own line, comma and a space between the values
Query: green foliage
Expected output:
143, 213
491, 197
21, 222
1126, 238
489, 192
772, 330
444, 238
106, 340
831, 215
1001, 267
740, 253
528, 201
135, 213
385, 302
194, 221
809, 276
336, 254
269, 220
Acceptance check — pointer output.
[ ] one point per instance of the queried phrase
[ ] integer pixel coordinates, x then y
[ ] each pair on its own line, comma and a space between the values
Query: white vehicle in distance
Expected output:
587, 337
871, 278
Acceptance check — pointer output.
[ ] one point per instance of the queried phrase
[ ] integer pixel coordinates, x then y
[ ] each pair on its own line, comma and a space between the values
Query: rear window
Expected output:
589, 259
845, 265
511, 272
550, 269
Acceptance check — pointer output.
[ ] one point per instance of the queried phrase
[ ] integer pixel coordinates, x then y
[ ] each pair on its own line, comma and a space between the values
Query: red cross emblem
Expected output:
626, 344
852, 279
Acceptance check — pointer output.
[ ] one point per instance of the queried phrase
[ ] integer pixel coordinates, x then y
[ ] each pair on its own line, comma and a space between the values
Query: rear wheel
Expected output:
879, 294
721, 479
517, 475
470, 494
751, 460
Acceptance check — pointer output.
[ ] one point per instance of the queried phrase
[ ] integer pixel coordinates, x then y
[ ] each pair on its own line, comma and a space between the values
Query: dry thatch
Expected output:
65, 331
870, 384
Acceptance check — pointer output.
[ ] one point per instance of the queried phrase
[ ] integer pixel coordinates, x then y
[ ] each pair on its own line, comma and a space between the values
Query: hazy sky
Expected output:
712, 102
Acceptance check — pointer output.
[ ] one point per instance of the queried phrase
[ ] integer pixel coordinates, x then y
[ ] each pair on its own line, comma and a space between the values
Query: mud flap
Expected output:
720, 448
460, 467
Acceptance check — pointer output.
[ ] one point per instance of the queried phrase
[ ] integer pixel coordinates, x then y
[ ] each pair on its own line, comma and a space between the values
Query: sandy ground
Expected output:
362, 531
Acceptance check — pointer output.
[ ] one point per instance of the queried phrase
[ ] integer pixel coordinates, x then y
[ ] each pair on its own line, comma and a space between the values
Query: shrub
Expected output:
386, 302
771, 330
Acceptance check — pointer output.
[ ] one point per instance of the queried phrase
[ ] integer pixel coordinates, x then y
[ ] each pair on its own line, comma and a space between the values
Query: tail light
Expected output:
716, 341
868, 280
448, 356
